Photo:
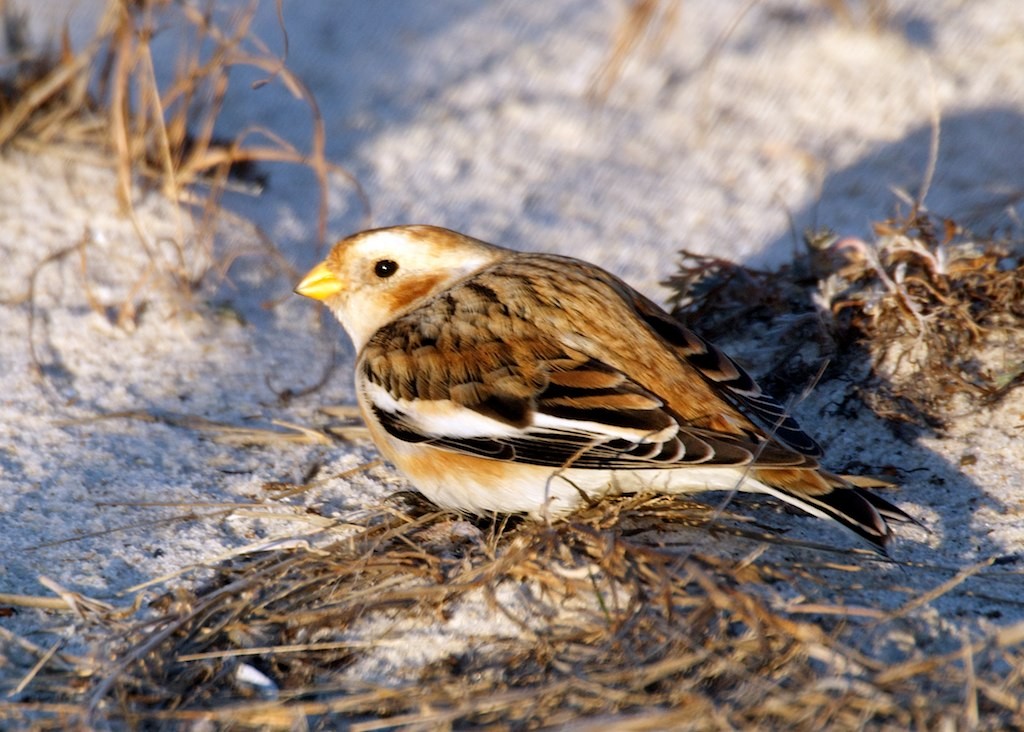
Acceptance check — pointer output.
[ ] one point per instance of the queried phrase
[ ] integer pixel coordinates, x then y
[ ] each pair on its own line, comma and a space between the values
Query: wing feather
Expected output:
463, 376
595, 433
736, 385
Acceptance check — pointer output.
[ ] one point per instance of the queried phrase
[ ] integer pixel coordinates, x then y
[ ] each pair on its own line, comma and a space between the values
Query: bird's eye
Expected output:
385, 268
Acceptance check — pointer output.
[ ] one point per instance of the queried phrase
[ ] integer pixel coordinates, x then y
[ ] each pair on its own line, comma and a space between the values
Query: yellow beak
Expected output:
319, 284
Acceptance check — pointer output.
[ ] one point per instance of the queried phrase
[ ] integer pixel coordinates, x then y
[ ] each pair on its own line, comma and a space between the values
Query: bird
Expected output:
507, 382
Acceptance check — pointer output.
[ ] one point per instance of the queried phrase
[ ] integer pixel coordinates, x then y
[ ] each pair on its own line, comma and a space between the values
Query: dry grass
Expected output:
105, 104
935, 312
112, 104
612, 618
940, 313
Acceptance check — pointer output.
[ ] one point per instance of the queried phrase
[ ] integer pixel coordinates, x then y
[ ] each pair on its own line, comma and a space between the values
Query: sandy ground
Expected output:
476, 116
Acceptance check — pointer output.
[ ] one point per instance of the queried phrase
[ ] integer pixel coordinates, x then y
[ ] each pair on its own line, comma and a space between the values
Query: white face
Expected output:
377, 275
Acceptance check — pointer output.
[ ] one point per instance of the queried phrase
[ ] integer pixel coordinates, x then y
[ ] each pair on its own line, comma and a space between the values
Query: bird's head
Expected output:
374, 276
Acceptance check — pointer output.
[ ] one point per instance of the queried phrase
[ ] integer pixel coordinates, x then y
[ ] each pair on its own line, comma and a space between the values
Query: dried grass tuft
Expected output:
112, 103
939, 310
611, 619
936, 312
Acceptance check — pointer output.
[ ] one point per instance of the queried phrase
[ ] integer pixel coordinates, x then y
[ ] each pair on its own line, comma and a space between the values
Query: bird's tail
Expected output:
839, 498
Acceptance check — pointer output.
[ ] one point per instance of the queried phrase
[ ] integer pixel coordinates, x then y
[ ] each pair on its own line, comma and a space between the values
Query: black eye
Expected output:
385, 268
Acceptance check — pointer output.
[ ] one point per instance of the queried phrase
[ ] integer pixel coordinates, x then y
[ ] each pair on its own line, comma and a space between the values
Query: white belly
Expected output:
547, 492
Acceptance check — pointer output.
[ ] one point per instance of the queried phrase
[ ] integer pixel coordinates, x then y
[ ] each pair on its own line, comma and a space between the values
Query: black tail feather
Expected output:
890, 511
860, 511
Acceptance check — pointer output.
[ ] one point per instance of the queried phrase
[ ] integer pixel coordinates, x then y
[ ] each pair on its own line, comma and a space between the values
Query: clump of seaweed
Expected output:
939, 312
936, 312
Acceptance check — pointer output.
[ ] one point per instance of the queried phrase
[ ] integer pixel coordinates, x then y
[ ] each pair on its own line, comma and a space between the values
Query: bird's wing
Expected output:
462, 375
587, 416
731, 380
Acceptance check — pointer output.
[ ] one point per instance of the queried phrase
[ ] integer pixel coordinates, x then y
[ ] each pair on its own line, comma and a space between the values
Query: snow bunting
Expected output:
501, 381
